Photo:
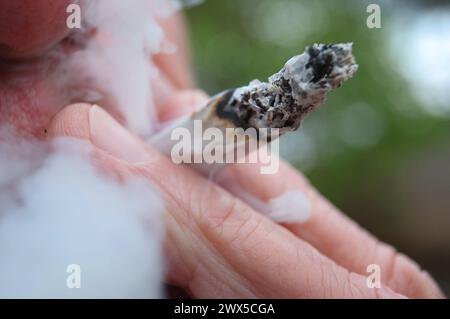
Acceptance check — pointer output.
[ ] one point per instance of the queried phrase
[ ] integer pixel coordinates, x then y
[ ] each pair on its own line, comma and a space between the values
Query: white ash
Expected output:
298, 88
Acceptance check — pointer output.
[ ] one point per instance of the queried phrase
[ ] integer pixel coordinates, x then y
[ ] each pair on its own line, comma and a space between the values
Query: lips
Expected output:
29, 28
33, 90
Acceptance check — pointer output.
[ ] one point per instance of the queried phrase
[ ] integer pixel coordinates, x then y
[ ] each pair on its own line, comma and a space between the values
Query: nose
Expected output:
28, 28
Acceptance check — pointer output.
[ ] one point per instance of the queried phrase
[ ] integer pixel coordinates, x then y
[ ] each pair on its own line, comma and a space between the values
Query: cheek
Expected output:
30, 27
28, 103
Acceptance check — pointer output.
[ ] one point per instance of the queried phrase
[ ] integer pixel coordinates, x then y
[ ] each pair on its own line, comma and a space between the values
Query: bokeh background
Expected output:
380, 148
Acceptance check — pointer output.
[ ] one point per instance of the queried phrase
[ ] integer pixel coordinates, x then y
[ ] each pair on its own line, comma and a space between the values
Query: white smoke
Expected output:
57, 210
123, 35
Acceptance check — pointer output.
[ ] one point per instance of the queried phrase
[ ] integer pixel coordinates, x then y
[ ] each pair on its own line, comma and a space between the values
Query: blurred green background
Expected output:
379, 148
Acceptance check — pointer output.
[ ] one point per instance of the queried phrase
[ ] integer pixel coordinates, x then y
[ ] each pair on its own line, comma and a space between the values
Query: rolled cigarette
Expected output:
262, 111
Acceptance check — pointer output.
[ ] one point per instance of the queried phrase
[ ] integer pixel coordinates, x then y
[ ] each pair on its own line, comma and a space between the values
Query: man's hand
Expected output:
216, 245
219, 247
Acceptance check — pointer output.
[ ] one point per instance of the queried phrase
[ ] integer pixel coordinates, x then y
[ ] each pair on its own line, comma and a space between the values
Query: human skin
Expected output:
29, 28
216, 245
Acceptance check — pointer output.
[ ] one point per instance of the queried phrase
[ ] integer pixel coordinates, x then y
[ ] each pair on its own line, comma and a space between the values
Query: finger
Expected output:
331, 232
28, 27
218, 246
175, 62
182, 103
358, 249
398, 271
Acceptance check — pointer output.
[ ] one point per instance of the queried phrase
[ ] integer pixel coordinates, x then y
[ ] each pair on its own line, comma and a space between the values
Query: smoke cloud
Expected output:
114, 56
56, 208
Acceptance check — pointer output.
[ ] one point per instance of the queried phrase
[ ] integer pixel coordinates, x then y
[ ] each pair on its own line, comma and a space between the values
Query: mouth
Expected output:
29, 29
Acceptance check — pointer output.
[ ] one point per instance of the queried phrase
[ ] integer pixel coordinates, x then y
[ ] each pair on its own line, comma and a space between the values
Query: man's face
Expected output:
28, 28
35, 42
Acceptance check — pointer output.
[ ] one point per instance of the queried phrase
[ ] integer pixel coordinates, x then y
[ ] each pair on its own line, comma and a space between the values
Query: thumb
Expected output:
92, 123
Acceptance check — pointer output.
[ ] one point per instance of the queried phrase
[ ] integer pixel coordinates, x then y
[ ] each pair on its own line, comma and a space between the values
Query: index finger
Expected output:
331, 232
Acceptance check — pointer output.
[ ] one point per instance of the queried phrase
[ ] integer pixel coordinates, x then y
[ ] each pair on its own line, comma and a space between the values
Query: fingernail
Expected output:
108, 135
290, 207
